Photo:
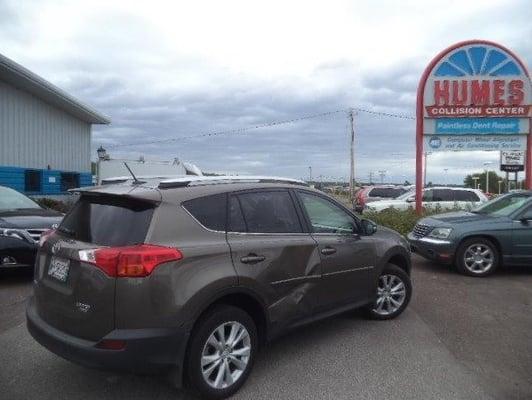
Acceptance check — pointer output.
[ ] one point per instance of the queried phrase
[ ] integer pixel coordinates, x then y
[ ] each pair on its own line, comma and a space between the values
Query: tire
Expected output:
393, 286
205, 342
478, 257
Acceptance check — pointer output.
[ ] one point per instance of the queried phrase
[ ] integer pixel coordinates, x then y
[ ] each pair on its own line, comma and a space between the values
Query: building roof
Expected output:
23, 79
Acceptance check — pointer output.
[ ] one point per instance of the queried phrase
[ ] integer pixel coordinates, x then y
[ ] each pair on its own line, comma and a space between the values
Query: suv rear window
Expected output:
387, 193
210, 211
108, 221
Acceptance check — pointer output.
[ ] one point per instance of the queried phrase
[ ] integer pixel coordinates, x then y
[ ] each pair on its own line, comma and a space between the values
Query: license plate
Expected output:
58, 268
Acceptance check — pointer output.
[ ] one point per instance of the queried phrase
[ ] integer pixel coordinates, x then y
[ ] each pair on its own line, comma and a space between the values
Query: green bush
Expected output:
402, 221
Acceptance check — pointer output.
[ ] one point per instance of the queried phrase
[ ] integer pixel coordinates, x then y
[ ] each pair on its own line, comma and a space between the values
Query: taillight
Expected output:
45, 236
130, 261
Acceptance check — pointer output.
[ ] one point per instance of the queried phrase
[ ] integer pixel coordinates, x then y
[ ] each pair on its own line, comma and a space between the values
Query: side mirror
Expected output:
525, 220
410, 199
368, 227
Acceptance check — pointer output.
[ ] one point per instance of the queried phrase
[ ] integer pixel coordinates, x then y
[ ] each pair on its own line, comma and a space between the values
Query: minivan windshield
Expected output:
10, 199
108, 221
503, 206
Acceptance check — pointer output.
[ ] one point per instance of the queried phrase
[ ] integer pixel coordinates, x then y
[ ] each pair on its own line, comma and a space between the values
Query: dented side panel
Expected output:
288, 277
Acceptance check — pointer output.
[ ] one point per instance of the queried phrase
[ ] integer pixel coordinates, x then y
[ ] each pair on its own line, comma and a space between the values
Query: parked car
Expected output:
194, 273
376, 193
478, 242
22, 221
442, 197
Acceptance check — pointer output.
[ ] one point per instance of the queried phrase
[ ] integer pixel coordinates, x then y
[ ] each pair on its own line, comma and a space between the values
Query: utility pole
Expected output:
309, 174
370, 178
382, 174
352, 156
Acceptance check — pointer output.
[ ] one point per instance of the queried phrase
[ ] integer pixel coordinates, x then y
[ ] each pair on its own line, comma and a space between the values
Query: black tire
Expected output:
206, 326
391, 270
482, 243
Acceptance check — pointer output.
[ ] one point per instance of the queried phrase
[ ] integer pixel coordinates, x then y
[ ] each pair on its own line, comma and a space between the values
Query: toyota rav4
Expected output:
193, 275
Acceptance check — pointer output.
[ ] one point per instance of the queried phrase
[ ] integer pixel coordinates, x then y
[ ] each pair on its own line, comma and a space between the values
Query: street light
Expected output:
475, 179
382, 174
486, 163
102, 153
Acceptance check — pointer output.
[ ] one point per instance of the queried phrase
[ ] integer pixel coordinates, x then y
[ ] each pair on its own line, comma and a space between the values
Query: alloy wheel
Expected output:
478, 258
391, 294
226, 355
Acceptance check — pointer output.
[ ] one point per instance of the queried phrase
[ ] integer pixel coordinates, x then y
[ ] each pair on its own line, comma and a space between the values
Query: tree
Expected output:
493, 181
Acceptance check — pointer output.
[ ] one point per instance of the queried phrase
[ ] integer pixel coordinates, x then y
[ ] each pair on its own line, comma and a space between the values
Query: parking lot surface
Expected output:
461, 338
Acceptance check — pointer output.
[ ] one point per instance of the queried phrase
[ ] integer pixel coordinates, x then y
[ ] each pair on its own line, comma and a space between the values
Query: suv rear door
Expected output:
271, 252
346, 257
74, 296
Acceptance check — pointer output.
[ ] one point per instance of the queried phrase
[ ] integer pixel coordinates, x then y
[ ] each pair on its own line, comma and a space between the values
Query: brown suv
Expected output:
192, 275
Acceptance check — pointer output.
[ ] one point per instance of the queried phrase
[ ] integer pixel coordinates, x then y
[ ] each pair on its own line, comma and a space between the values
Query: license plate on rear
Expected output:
58, 268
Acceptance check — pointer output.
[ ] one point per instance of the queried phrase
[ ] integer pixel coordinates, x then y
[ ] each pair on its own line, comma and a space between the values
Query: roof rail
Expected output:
193, 180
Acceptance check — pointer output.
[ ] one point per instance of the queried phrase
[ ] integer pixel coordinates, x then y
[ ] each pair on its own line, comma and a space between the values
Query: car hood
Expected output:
38, 218
457, 218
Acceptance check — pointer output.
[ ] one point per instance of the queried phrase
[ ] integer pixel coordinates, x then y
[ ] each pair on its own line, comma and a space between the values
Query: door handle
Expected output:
327, 251
252, 259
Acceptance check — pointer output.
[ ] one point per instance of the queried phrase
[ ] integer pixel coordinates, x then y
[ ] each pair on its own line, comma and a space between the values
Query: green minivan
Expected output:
477, 242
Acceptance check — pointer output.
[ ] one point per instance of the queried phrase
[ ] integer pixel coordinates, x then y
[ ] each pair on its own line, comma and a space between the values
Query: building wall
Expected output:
34, 134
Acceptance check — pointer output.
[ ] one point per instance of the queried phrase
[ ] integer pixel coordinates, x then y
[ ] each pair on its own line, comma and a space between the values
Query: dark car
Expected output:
192, 275
22, 221
478, 242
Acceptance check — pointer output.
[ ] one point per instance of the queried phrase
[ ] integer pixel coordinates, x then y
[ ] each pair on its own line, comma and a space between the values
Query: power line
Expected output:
264, 125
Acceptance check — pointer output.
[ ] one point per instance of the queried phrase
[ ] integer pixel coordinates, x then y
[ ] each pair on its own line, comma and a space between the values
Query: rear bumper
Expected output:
441, 251
146, 350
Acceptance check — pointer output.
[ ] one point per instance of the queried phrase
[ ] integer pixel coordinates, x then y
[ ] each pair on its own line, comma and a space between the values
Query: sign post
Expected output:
474, 95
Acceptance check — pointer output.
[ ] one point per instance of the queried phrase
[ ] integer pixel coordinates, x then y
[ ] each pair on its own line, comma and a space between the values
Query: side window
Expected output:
443, 195
326, 217
527, 214
268, 212
210, 211
465, 195
428, 195
236, 218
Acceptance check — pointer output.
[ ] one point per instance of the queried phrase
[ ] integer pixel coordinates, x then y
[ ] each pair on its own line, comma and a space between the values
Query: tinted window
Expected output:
108, 221
443, 195
236, 218
465, 195
326, 217
269, 212
210, 211
386, 192
32, 181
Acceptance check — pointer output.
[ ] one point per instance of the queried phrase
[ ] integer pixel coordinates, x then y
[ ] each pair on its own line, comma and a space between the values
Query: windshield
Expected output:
10, 199
503, 206
406, 195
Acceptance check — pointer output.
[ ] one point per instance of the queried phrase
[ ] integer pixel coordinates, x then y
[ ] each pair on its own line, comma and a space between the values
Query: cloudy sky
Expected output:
165, 70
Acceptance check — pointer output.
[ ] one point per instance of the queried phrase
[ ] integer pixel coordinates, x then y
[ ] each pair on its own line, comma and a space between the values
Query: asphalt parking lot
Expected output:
461, 338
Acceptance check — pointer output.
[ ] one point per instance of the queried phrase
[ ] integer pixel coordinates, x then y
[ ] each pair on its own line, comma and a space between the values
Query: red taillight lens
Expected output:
130, 261
45, 236
111, 344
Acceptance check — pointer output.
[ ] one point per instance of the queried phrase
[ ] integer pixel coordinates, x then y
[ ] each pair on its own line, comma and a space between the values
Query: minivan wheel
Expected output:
222, 351
477, 257
394, 290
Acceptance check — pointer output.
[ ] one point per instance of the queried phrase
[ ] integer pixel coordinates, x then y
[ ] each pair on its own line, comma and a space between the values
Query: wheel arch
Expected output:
489, 237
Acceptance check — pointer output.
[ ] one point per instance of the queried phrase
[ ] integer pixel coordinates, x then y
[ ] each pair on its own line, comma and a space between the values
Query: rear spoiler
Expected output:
141, 193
